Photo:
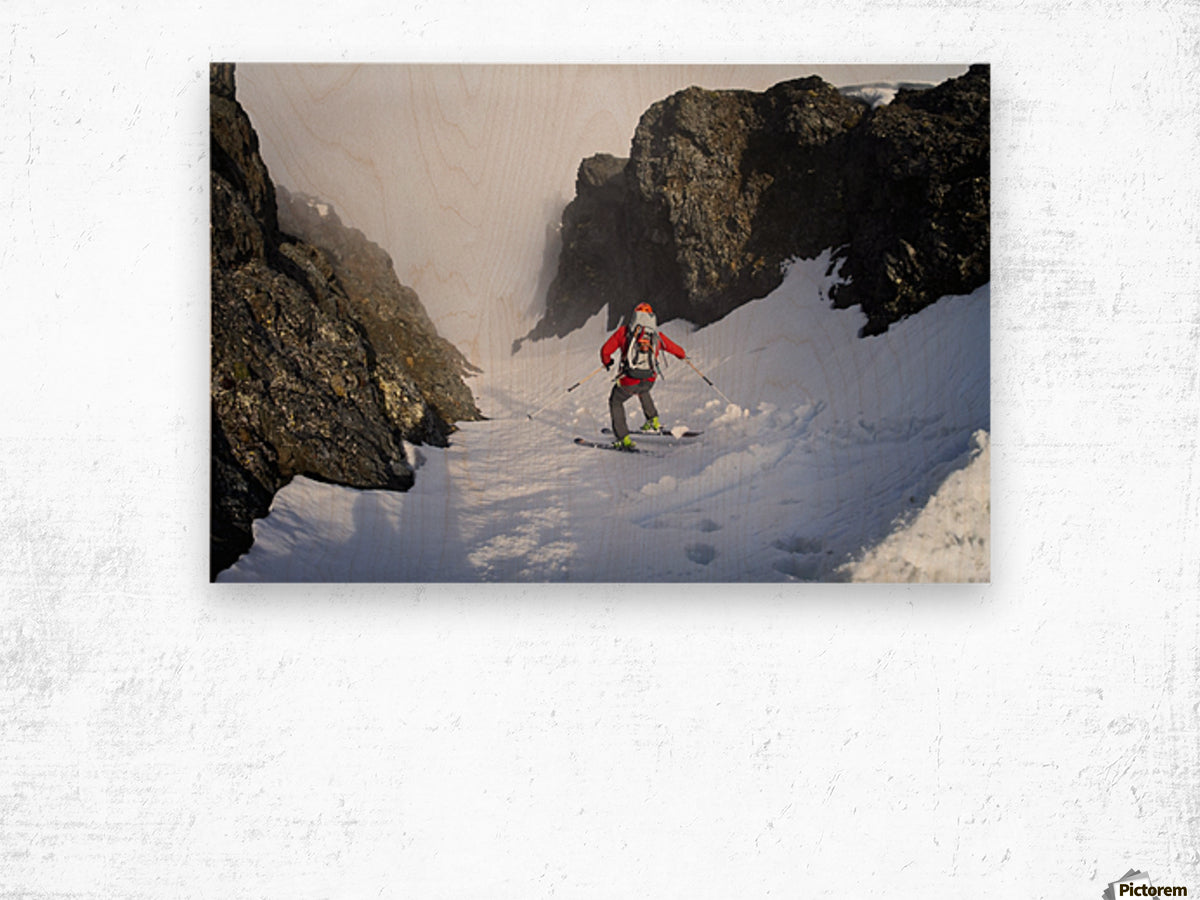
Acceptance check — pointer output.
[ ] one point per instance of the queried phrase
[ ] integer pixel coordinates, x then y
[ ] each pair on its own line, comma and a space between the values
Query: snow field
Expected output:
831, 444
949, 539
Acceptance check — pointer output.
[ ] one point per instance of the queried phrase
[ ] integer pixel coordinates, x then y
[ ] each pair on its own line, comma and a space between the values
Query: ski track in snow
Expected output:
835, 443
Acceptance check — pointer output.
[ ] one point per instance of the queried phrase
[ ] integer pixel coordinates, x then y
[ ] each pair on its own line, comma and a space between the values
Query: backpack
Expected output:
640, 354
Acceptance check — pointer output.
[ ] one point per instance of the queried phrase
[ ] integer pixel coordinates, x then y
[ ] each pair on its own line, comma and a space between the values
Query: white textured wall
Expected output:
161, 737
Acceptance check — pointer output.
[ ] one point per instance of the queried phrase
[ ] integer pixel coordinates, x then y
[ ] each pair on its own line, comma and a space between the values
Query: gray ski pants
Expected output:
616, 405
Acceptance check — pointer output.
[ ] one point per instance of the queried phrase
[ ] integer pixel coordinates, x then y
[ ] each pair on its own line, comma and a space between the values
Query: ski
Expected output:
657, 434
599, 445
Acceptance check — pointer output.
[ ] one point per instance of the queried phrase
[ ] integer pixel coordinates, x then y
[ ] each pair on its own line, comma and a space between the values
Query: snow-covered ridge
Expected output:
949, 539
832, 443
881, 93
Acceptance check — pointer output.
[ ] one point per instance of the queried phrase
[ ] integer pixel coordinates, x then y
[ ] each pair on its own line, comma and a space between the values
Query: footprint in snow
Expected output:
701, 554
799, 544
805, 560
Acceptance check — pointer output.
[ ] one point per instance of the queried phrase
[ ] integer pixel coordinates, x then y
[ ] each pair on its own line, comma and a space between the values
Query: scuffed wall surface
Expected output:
161, 737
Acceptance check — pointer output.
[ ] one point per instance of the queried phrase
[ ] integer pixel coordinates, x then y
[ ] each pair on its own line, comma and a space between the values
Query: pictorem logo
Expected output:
1137, 884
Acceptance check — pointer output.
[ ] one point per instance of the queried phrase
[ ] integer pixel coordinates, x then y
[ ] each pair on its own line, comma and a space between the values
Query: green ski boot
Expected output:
652, 425
625, 443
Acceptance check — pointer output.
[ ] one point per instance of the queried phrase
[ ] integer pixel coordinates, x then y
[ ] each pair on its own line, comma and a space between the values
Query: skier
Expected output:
639, 342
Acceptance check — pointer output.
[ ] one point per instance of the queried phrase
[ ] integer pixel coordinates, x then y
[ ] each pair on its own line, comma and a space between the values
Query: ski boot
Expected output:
652, 425
625, 443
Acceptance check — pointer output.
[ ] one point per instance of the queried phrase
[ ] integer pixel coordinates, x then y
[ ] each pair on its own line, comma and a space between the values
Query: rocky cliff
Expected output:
722, 188
323, 364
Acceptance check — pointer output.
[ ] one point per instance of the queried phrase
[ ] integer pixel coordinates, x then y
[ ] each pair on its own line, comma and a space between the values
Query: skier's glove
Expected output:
609, 364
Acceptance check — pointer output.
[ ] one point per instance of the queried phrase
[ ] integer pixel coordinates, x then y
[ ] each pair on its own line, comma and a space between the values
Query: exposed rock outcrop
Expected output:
722, 188
322, 363
411, 358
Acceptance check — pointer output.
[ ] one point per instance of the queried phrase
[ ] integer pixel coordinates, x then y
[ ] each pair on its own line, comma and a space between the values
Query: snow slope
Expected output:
822, 467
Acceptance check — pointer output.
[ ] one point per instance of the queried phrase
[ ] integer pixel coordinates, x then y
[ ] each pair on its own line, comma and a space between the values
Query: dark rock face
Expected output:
722, 188
920, 184
322, 363
600, 267
412, 361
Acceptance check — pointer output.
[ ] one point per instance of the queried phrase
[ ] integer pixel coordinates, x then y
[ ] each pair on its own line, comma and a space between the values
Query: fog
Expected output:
461, 172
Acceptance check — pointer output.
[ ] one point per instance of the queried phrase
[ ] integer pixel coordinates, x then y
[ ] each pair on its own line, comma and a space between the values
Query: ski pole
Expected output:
706, 381
571, 388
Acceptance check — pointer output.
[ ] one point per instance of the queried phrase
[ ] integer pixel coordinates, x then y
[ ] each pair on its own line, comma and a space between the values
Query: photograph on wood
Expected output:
600, 323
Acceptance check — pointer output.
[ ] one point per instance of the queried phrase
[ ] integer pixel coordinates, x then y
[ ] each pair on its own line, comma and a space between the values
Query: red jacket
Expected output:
617, 342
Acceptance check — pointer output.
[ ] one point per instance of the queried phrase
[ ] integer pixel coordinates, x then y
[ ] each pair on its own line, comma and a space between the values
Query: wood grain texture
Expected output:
1040, 736
461, 172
